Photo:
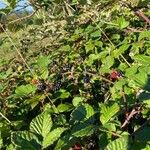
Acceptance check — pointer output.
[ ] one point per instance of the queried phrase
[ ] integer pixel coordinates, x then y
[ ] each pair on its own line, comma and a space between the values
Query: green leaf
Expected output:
107, 112
42, 124
64, 107
10, 147
25, 90
1, 141
63, 94
96, 34
141, 79
52, 137
43, 62
107, 63
34, 101
77, 100
143, 134
142, 59
144, 34
83, 113
147, 102
25, 140
44, 74
64, 141
89, 46
122, 23
122, 143
92, 58
120, 50
81, 130
130, 72
140, 145
109, 126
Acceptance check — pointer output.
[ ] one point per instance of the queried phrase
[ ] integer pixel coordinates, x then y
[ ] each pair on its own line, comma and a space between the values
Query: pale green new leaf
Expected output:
41, 124
107, 112
64, 107
10, 147
52, 137
122, 23
77, 100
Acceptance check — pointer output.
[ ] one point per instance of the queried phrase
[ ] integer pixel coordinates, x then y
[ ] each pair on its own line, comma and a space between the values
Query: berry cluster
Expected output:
57, 86
115, 75
41, 86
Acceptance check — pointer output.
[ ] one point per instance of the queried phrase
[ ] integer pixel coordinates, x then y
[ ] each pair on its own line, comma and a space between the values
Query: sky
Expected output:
21, 4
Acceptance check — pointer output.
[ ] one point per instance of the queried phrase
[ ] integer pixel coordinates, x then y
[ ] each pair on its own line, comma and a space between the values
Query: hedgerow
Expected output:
79, 78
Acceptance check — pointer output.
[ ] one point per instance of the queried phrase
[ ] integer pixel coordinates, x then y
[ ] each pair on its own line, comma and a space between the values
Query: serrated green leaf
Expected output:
25, 140
43, 62
25, 90
107, 63
130, 72
92, 58
120, 50
144, 34
141, 79
44, 74
42, 124
110, 126
89, 46
34, 101
107, 112
10, 147
96, 34
83, 113
122, 143
81, 130
77, 100
142, 59
64, 107
147, 102
63, 94
65, 142
122, 23
52, 137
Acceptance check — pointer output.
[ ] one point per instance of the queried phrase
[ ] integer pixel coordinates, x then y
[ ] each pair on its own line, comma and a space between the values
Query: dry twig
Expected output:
132, 113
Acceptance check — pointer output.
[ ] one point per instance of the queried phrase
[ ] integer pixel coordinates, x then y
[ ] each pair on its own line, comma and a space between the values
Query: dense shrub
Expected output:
79, 79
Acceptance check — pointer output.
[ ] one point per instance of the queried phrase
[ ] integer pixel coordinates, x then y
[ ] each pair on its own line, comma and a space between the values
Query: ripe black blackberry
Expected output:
86, 79
57, 86
41, 86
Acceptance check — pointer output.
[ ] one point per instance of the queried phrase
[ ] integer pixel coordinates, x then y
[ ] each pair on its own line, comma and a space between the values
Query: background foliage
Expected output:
75, 75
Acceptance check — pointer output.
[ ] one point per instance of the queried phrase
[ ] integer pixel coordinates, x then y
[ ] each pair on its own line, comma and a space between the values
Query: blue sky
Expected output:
21, 4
